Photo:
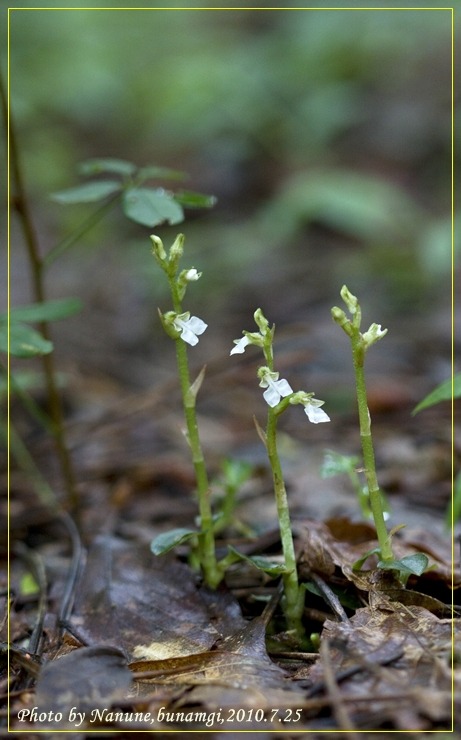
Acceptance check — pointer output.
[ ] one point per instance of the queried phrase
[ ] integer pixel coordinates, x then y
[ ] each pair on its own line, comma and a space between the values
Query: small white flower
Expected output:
314, 413
275, 388
190, 327
373, 334
192, 275
240, 345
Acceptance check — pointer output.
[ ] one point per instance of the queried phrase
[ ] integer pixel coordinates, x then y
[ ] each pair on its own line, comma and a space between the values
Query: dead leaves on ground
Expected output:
145, 635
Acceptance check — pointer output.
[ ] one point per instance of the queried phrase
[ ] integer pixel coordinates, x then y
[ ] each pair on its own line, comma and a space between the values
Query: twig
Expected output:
340, 712
21, 205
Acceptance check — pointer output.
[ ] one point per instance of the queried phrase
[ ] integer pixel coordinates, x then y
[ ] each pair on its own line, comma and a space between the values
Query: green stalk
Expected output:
360, 342
376, 504
212, 571
293, 599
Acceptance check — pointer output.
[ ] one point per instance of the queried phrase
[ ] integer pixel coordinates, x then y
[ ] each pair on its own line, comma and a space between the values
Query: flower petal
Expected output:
240, 345
315, 414
271, 396
283, 387
189, 336
196, 325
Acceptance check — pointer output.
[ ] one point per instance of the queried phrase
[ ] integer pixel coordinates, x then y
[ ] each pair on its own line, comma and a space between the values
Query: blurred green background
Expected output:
324, 134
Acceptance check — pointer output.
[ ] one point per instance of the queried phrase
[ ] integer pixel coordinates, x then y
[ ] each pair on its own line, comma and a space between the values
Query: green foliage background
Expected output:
324, 134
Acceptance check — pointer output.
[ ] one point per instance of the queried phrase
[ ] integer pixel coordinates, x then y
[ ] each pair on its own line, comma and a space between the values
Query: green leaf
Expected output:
443, 392
358, 563
168, 540
152, 172
48, 311
151, 207
410, 564
336, 464
24, 341
26, 380
114, 166
87, 193
261, 563
190, 199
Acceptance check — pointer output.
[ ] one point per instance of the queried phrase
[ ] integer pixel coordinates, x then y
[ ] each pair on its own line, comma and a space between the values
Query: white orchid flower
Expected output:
314, 413
276, 389
240, 345
373, 334
190, 327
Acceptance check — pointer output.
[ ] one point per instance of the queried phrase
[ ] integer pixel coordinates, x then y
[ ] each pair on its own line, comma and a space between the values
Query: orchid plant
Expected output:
279, 395
186, 330
360, 343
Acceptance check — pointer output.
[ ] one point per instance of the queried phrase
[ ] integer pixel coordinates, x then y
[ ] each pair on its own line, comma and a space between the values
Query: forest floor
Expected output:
128, 641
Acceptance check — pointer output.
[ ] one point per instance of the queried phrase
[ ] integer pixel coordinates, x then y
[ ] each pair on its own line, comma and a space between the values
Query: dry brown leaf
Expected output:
150, 607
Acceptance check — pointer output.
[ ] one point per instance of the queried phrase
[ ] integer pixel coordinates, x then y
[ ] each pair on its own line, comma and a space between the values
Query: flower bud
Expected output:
176, 250
261, 321
340, 318
349, 299
185, 277
158, 249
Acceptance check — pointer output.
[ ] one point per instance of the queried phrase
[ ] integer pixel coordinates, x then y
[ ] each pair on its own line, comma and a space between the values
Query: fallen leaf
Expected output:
388, 652
83, 680
149, 607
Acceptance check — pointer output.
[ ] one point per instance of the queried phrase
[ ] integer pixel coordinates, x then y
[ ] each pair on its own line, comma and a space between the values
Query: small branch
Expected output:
21, 206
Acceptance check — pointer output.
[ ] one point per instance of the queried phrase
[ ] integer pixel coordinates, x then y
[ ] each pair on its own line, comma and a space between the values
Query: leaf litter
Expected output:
385, 655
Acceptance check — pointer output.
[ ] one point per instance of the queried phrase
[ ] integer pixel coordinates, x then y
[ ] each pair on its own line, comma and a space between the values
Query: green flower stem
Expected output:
212, 571
376, 504
293, 600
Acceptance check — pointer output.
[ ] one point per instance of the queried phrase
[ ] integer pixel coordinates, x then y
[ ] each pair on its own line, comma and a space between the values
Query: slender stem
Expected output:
293, 600
38, 287
212, 571
27, 463
87, 224
376, 504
